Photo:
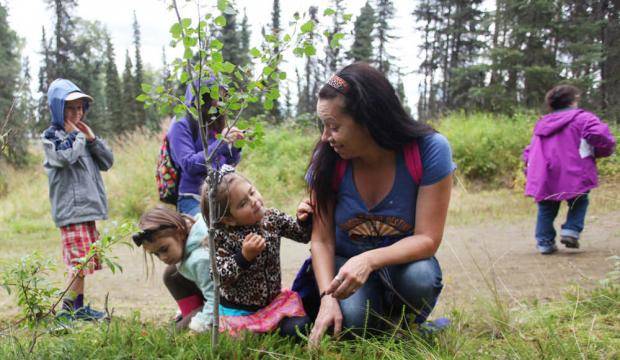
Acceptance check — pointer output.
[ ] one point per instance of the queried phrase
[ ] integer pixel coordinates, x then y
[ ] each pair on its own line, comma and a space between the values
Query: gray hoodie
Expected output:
73, 165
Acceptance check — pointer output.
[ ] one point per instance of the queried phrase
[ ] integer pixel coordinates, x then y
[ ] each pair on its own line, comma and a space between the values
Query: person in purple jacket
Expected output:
560, 164
187, 152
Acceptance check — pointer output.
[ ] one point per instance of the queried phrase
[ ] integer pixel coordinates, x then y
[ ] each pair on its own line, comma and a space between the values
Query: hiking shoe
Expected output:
87, 313
570, 242
547, 250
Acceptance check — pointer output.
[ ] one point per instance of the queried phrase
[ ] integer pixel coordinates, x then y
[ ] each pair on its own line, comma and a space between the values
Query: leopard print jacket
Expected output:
251, 285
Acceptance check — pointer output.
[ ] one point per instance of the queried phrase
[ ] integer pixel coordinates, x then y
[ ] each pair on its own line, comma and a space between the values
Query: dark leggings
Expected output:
289, 325
178, 286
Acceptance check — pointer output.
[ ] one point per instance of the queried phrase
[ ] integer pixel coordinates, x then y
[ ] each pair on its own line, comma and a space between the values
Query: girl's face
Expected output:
168, 249
348, 138
246, 204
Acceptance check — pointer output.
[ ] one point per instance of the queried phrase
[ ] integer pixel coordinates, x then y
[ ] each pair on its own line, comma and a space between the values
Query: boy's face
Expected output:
74, 111
168, 249
246, 204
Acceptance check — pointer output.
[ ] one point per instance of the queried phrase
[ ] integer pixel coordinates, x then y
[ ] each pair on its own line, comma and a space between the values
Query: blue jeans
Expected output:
188, 205
548, 210
418, 285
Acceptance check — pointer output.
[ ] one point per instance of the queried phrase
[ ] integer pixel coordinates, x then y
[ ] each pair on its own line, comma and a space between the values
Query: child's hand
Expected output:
253, 244
81, 126
304, 209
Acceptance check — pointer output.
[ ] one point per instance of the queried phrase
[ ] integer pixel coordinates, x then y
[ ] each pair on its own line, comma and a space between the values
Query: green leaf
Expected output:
188, 54
239, 144
347, 17
287, 38
159, 89
255, 52
239, 75
307, 27
228, 67
328, 12
146, 87
268, 104
217, 57
282, 75
216, 44
179, 109
309, 50
215, 91
220, 21
186, 22
142, 97
298, 51
234, 106
184, 77
175, 30
222, 5
267, 70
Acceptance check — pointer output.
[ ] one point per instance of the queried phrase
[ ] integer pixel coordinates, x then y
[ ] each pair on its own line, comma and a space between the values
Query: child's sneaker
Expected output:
87, 313
570, 242
547, 249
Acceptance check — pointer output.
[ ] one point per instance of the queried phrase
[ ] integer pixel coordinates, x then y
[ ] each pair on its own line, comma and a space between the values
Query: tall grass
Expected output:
583, 325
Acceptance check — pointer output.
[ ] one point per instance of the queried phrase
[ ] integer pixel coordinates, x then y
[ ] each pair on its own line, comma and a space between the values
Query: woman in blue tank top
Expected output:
376, 228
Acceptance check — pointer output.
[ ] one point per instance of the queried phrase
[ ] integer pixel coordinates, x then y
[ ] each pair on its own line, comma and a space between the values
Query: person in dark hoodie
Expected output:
560, 165
74, 158
187, 152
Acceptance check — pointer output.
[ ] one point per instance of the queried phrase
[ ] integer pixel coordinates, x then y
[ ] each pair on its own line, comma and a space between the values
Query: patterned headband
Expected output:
221, 172
339, 84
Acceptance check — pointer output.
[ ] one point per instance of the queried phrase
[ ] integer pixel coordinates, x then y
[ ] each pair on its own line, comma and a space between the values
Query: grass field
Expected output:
584, 323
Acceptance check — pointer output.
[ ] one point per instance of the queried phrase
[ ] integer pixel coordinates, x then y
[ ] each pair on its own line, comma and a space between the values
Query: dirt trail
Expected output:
504, 249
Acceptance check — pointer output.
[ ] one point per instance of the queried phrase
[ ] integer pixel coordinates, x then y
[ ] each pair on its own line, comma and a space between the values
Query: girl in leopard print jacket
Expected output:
247, 241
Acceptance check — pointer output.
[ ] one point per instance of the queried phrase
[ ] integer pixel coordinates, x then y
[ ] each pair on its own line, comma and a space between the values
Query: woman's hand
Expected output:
329, 314
351, 276
304, 209
232, 134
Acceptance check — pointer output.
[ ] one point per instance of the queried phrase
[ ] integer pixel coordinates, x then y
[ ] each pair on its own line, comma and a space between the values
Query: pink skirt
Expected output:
286, 304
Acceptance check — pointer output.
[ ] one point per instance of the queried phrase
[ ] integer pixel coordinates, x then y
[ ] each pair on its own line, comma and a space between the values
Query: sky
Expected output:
27, 17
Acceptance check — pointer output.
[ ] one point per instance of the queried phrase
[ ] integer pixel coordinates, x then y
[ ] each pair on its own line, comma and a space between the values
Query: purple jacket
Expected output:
187, 152
554, 167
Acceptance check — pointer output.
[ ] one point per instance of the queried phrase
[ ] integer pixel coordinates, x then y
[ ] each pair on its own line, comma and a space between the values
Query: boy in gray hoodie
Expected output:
74, 157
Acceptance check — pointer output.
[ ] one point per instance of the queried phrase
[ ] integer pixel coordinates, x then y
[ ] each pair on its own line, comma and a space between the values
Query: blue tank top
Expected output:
359, 229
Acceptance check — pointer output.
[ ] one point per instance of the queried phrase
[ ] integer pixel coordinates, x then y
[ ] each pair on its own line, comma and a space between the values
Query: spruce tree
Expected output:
244, 37
361, 50
128, 99
385, 15
10, 88
139, 76
231, 37
275, 31
113, 94
332, 52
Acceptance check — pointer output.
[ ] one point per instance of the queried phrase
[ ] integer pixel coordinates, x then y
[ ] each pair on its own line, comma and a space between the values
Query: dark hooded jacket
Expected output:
73, 165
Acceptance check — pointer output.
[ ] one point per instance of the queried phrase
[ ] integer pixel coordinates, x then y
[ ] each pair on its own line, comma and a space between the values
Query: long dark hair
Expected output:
373, 103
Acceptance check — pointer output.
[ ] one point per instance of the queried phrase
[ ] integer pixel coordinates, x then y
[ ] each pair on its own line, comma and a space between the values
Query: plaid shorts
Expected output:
76, 241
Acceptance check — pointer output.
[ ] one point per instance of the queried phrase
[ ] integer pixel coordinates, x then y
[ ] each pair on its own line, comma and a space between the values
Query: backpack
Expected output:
167, 173
413, 161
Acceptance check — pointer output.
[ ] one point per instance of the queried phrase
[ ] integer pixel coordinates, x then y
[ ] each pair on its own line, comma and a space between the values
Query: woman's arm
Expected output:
323, 245
431, 212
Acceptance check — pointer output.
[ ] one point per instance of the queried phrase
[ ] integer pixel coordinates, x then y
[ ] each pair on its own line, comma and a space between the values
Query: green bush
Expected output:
277, 167
486, 147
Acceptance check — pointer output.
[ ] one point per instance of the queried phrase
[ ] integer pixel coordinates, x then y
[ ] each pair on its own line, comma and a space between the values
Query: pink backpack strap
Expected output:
341, 169
413, 161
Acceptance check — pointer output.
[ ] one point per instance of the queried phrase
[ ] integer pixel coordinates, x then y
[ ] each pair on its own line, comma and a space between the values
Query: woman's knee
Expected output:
419, 281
